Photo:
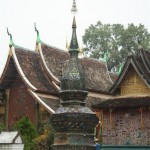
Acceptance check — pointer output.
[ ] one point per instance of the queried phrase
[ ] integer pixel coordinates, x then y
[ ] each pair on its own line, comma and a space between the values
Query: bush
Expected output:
28, 132
45, 140
2, 127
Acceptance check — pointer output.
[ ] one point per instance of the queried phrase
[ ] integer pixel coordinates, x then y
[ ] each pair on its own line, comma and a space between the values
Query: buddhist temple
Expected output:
31, 81
49, 83
125, 117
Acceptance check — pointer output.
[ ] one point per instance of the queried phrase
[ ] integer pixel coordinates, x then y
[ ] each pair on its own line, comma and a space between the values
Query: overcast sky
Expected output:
54, 19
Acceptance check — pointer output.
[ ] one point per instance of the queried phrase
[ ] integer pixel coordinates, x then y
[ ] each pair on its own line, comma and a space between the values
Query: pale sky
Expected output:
54, 19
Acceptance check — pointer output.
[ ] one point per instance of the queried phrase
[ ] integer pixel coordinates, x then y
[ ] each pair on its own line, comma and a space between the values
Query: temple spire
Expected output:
11, 43
72, 121
74, 26
74, 8
74, 42
73, 76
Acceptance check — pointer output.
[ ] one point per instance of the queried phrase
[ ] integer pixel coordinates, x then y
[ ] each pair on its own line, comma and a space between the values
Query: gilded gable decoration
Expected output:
133, 85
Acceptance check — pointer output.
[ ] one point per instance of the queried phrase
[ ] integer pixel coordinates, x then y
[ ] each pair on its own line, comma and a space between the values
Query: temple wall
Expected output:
126, 127
2, 114
2, 107
20, 103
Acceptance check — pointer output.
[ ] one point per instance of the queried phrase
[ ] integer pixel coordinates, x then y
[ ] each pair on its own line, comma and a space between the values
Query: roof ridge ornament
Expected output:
106, 55
11, 43
38, 35
120, 68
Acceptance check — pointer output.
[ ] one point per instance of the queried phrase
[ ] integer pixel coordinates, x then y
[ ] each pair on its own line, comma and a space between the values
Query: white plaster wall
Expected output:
11, 146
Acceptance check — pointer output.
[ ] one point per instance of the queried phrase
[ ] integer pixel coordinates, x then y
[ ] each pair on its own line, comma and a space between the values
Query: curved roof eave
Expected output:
18, 67
56, 86
6, 65
52, 77
37, 98
50, 74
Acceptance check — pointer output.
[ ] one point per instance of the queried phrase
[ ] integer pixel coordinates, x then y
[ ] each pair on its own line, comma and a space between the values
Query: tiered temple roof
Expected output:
41, 70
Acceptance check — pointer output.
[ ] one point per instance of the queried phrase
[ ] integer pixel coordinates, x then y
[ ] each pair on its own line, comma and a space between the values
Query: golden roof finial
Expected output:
38, 35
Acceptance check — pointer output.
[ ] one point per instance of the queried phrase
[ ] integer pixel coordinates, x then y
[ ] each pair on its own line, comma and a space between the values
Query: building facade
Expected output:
30, 82
125, 117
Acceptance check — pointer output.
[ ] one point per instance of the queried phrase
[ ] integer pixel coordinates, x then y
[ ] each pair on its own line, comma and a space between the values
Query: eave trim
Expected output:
52, 77
50, 110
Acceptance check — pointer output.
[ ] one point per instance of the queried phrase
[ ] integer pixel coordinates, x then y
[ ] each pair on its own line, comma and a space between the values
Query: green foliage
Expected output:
28, 132
115, 38
50, 137
2, 127
45, 140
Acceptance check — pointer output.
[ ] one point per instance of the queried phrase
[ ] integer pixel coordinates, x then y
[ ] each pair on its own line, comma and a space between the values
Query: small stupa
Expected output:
73, 122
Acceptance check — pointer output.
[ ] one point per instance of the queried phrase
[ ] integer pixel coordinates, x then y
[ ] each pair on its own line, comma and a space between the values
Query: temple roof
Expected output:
41, 71
97, 76
113, 76
26, 63
9, 74
141, 64
124, 102
54, 59
93, 101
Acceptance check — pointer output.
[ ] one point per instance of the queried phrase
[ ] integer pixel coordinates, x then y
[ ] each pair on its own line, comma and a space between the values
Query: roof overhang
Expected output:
124, 102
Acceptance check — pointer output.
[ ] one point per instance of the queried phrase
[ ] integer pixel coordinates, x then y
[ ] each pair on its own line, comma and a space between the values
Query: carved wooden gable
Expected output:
132, 84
